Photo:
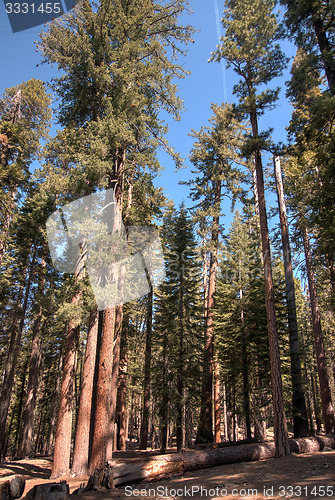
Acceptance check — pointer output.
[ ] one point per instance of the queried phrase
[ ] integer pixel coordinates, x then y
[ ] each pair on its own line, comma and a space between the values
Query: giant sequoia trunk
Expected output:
300, 421
326, 399
101, 432
82, 439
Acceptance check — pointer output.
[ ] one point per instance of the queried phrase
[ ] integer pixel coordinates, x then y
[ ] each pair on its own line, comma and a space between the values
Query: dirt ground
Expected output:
306, 476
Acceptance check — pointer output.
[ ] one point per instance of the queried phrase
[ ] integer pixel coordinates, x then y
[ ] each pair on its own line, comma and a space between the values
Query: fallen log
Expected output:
177, 463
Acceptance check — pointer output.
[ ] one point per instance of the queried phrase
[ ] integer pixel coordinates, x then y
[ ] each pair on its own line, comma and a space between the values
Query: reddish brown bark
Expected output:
122, 390
300, 421
82, 439
101, 432
12, 355
280, 426
217, 408
51, 438
327, 406
34, 368
115, 375
147, 376
178, 463
205, 429
61, 459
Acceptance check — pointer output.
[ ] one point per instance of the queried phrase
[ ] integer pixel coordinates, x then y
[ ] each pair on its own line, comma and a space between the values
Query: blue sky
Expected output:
208, 83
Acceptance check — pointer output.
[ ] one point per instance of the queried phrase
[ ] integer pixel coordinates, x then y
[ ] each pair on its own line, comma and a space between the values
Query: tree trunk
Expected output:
12, 356
205, 429
225, 417
180, 369
115, 375
327, 406
34, 369
147, 376
280, 426
51, 438
19, 411
300, 421
101, 432
61, 459
82, 439
122, 389
245, 373
6, 224
164, 397
217, 406
326, 50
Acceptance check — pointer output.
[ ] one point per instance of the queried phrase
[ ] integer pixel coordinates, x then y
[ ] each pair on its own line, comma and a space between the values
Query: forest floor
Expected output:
306, 476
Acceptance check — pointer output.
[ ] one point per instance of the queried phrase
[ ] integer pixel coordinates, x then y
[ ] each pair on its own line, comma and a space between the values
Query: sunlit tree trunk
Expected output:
300, 421
147, 376
82, 439
327, 405
61, 462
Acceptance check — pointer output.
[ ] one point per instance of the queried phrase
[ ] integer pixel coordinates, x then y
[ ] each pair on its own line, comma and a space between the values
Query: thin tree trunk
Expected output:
164, 396
82, 439
6, 225
233, 387
327, 406
225, 419
300, 421
217, 406
115, 375
280, 426
34, 369
19, 412
205, 429
12, 356
326, 50
180, 369
147, 375
122, 390
55, 405
245, 372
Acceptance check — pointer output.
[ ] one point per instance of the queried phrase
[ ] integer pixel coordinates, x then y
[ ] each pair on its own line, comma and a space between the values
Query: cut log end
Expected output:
12, 487
100, 478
